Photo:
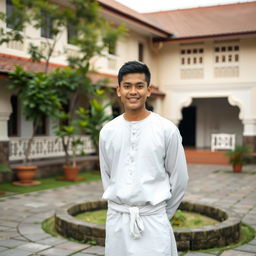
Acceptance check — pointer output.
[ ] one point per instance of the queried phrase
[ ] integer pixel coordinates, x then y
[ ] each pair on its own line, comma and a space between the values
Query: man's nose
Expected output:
133, 90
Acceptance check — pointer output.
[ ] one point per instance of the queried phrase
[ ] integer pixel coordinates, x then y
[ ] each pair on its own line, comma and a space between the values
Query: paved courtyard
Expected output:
21, 216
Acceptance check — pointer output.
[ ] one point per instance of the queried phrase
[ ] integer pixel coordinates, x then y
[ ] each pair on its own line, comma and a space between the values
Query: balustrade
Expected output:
45, 147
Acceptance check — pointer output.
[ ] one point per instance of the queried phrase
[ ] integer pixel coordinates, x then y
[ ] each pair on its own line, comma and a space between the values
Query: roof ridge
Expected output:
199, 7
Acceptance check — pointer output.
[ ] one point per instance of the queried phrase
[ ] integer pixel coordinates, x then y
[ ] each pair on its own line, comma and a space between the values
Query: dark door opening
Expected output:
187, 126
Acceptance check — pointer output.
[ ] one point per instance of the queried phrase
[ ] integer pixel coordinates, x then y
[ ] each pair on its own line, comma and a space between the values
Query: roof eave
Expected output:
162, 33
173, 38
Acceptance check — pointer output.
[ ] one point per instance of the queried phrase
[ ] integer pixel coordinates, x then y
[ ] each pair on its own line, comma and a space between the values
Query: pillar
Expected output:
5, 111
249, 134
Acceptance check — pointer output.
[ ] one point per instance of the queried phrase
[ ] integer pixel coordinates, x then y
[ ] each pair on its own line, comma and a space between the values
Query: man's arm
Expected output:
176, 167
104, 165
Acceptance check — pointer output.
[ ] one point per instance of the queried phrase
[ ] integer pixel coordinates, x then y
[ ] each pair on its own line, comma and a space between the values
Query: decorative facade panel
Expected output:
191, 62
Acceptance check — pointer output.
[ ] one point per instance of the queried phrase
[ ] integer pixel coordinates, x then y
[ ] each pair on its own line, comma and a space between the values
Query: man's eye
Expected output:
140, 86
127, 86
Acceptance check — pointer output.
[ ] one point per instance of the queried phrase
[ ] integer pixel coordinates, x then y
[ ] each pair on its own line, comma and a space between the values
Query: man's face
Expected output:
133, 91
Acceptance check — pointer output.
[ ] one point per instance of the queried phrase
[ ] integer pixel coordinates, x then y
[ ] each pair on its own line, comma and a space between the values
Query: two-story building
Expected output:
203, 63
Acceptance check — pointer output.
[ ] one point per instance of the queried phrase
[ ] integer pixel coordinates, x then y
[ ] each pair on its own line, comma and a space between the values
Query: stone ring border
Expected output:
219, 235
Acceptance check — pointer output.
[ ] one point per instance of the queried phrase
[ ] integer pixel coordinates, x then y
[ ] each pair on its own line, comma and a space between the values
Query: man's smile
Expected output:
133, 99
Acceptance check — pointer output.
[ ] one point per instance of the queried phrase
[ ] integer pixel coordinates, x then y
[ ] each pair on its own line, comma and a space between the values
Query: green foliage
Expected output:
5, 169
49, 183
92, 122
45, 94
36, 93
92, 32
178, 219
239, 155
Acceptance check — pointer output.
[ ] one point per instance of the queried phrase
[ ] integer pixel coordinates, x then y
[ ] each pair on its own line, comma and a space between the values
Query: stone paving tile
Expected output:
28, 228
236, 191
15, 252
20, 238
247, 248
82, 254
253, 242
236, 253
52, 241
4, 228
98, 250
8, 235
55, 252
3, 249
37, 236
33, 247
8, 223
73, 246
11, 243
198, 254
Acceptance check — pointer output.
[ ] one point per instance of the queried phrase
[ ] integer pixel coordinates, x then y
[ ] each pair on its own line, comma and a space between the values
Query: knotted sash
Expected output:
136, 222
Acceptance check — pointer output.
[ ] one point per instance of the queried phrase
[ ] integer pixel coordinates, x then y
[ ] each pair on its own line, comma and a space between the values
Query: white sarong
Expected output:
139, 231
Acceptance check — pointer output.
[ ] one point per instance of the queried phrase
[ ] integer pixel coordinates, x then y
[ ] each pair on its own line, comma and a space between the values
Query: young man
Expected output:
143, 170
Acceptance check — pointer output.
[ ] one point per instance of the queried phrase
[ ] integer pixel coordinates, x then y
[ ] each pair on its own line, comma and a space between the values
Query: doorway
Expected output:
187, 126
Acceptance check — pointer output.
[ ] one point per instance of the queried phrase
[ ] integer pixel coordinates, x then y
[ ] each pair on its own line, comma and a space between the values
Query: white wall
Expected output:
216, 115
240, 90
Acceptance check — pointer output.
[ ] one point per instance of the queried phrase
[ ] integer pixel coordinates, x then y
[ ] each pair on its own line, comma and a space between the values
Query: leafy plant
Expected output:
92, 121
44, 94
38, 98
5, 169
178, 219
70, 139
238, 155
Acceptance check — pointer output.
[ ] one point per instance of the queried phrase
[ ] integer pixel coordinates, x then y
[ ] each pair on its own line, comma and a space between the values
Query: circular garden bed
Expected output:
224, 233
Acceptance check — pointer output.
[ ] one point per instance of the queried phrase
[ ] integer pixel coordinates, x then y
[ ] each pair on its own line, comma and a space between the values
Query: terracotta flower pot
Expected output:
26, 174
71, 172
237, 167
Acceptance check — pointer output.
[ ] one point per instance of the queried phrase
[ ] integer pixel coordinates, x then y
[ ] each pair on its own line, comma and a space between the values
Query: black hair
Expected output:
134, 67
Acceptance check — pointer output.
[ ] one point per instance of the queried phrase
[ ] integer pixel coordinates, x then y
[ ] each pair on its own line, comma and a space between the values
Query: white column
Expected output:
249, 127
5, 111
4, 117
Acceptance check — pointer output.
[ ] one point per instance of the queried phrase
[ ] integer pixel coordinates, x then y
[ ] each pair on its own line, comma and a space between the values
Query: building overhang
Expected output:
201, 37
8, 63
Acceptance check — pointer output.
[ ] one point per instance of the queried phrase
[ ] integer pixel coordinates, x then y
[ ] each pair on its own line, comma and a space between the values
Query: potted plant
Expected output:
4, 169
237, 157
43, 94
70, 142
39, 100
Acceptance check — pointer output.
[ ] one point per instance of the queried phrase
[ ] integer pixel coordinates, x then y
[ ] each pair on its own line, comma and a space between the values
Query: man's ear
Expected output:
118, 91
150, 89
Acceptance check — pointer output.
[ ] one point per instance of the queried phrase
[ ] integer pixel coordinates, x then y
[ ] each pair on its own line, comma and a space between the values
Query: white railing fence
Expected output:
223, 141
45, 147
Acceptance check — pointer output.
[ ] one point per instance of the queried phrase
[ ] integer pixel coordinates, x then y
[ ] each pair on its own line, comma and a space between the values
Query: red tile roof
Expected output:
131, 14
8, 63
236, 18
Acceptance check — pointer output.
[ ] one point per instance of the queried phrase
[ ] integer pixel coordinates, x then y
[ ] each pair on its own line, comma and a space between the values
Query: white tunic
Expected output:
142, 163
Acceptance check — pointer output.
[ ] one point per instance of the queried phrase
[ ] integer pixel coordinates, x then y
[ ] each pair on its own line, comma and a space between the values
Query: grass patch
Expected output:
191, 219
48, 226
48, 183
231, 172
247, 233
96, 217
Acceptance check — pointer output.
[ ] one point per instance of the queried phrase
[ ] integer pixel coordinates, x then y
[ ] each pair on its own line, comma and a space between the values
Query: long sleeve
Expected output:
176, 167
104, 164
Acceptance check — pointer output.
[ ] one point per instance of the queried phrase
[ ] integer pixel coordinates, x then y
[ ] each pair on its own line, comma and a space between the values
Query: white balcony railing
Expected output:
223, 141
45, 147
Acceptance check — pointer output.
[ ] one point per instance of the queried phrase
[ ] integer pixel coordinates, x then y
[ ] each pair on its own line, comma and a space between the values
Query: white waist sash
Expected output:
136, 222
